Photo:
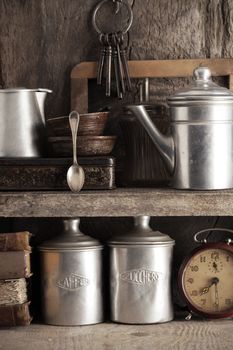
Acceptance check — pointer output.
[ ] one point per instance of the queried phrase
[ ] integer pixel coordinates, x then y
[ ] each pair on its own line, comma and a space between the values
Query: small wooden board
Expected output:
85, 71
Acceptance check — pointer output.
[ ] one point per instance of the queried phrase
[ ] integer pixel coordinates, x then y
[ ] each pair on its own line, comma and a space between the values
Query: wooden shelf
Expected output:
119, 202
182, 335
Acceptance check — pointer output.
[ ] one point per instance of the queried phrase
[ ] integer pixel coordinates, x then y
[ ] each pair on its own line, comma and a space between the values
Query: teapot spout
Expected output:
164, 144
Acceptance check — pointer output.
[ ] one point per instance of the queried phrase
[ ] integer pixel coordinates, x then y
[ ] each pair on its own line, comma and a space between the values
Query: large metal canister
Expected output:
140, 275
71, 278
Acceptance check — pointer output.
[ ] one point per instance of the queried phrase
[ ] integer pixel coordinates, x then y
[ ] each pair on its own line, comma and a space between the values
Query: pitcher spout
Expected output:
41, 95
164, 144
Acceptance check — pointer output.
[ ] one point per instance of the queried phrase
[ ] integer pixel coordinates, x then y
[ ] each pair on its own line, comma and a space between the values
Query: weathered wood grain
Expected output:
42, 40
159, 68
177, 335
119, 202
85, 71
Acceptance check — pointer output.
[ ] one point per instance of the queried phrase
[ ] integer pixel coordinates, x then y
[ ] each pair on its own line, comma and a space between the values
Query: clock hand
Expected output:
215, 266
215, 281
205, 290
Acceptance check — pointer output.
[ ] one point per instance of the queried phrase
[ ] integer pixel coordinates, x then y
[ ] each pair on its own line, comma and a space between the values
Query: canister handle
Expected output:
205, 240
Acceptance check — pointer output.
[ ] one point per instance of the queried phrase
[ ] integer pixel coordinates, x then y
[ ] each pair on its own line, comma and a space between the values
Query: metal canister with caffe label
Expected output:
71, 278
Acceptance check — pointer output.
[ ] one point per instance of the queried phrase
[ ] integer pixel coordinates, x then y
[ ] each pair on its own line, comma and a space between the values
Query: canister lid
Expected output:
71, 239
142, 234
203, 90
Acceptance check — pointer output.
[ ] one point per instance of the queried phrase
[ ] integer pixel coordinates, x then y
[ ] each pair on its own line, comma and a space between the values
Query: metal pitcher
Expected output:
199, 151
22, 122
140, 275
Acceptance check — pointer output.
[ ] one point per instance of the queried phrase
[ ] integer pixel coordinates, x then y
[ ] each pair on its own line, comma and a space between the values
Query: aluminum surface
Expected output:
140, 284
71, 239
22, 123
204, 155
202, 89
71, 278
141, 234
72, 287
140, 279
199, 151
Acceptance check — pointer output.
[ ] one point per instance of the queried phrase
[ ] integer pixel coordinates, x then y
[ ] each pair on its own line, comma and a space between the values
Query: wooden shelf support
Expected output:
84, 71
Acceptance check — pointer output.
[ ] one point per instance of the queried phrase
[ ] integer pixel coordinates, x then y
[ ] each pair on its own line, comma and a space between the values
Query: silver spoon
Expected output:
75, 173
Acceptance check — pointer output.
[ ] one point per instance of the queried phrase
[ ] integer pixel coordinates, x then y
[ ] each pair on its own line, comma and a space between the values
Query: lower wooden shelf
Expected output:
119, 202
182, 335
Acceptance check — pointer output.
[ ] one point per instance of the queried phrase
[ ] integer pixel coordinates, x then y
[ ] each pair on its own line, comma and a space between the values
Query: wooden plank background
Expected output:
42, 40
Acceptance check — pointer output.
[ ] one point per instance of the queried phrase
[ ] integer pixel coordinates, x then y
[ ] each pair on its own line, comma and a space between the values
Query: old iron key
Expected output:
116, 68
102, 58
108, 65
124, 61
121, 73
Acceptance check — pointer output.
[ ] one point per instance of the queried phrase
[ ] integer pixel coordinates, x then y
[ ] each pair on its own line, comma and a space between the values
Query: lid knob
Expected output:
202, 73
142, 222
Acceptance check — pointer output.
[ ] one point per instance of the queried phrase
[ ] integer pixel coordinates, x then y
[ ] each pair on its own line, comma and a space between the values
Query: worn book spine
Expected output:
15, 315
16, 241
15, 265
13, 291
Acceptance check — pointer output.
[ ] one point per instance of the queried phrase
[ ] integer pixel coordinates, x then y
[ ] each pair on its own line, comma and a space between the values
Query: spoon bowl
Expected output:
75, 177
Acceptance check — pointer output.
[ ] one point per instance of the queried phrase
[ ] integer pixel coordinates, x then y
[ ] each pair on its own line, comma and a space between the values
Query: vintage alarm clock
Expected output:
206, 278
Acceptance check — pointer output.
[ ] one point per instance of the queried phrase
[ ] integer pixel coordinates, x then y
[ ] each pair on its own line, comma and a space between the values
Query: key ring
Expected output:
123, 3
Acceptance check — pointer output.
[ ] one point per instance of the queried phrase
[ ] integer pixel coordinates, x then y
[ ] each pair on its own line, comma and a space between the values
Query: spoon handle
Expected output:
74, 122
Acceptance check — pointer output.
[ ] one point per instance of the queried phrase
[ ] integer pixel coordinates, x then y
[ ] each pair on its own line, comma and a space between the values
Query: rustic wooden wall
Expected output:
41, 40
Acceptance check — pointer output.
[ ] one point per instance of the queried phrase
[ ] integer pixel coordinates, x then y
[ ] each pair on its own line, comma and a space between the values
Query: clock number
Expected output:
203, 302
202, 259
228, 302
215, 256
194, 268
191, 280
227, 258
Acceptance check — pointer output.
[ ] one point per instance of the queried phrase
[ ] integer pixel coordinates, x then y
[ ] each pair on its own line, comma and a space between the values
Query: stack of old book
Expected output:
15, 270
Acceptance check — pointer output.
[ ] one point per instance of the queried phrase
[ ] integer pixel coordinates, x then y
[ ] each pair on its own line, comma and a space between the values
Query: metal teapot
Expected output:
22, 122
199, 151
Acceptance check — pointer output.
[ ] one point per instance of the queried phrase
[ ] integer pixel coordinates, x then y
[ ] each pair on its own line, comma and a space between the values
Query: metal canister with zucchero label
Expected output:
140, 275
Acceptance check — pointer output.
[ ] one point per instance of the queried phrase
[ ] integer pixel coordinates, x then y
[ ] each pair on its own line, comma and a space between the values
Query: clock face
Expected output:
207, 281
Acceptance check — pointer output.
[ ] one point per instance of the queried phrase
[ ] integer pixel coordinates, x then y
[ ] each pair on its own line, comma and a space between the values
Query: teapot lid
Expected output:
71, 239
203, 90
142, 234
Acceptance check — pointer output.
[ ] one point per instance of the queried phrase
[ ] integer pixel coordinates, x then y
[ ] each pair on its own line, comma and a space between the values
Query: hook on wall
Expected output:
118, 5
